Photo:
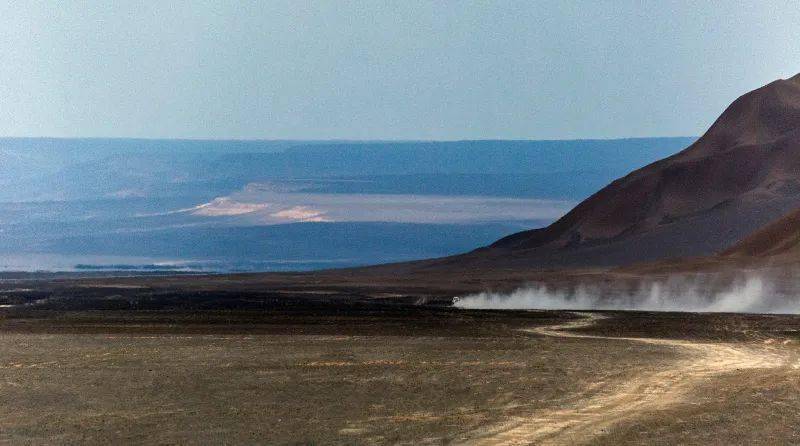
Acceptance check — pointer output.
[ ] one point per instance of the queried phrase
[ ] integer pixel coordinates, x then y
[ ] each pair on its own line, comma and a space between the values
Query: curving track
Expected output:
615, 403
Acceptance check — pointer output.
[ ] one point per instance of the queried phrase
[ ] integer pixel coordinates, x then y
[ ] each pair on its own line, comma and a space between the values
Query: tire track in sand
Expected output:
592, 416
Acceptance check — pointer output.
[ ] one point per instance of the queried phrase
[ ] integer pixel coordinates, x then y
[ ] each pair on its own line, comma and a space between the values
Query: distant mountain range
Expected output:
733, 195
67, 169
250, 204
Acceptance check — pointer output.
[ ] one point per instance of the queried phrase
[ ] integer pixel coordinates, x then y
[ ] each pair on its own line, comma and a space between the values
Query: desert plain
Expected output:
104, 360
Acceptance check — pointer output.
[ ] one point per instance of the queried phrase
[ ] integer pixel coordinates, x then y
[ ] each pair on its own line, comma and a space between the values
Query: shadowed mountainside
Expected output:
778, 241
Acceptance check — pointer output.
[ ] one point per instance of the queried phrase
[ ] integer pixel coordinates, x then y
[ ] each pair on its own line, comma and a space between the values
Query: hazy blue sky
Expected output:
385, 70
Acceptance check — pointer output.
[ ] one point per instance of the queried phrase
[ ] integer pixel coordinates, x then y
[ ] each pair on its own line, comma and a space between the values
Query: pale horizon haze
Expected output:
384, 70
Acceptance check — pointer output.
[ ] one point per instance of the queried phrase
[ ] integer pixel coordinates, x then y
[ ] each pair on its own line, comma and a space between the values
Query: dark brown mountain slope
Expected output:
778, 241
774, 249
742, 174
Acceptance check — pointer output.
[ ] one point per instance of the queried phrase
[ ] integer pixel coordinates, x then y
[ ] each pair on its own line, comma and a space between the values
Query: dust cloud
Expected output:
753, 294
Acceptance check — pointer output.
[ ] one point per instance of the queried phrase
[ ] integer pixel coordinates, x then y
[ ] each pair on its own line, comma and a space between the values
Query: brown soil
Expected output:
316, 372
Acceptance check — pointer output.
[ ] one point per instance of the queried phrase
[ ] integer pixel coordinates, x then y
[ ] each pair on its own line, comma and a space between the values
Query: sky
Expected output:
385, 70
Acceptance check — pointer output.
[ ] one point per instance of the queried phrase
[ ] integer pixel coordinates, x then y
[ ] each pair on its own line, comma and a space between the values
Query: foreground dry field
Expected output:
317, 373
119, 363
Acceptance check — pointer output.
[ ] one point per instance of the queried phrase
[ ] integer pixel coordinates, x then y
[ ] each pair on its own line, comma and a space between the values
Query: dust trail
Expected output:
754, 294
615, 403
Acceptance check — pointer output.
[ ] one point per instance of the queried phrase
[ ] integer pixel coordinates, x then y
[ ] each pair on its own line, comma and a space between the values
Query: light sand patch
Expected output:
301, 213
224, 206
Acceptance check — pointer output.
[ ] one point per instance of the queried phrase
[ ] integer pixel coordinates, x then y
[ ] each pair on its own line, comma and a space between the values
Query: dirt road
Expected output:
615, 402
